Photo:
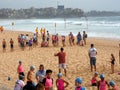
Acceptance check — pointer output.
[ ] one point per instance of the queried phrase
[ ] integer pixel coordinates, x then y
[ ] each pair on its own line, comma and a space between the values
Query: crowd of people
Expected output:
44, 79
32, 41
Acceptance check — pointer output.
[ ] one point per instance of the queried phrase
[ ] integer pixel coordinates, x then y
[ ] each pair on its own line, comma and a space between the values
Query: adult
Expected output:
84, 37
62, 60
92, 55
40, 74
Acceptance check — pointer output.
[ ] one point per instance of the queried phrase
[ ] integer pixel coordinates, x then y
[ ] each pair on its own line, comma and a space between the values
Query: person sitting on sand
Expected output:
112, 63
60, 82
94, 79
102, 84
4, 45
48, 81
40, 74
11, 44
113, 85
20, 69
78, 84
19, 84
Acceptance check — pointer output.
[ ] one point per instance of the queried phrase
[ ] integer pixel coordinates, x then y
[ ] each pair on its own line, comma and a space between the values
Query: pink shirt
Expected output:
102, 85
93, 80
60, 84
20, 68
48, 84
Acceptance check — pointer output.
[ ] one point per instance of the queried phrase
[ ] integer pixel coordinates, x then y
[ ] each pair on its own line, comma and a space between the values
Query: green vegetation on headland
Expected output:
7, 13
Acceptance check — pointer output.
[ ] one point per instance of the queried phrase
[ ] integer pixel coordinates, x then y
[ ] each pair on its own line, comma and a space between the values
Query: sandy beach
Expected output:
77, 60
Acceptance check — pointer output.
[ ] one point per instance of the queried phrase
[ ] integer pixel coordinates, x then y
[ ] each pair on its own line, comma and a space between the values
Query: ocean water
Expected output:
107, 27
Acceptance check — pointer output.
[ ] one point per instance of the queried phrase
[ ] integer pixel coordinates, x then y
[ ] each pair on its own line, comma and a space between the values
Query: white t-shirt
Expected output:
19, 85
92, 52
41, 74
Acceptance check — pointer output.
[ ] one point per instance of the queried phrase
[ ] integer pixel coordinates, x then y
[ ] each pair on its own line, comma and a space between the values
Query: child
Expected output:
102, 83
4, 45
94, 79
20, 69
20, 83
11, 44
112, 63
60, 82
48, 81
40, 86
78, 82
112, 84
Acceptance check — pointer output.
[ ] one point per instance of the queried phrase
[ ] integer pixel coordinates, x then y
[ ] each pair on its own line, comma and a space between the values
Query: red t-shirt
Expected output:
61, 56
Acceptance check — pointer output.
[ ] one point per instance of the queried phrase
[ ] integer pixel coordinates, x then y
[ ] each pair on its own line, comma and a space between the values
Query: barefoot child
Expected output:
60, 82
112, 63
48, 81
102, 84
20, 69
94, 79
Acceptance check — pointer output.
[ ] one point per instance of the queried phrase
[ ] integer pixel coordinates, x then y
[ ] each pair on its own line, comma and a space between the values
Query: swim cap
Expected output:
96, 73
83, 88
59, 74
102, 76
32, 67
112, 83
78, 80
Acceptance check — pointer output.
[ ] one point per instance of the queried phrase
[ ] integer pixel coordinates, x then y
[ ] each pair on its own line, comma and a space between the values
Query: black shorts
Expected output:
93, 61
113, 62
4, 46
22, 73
11, 45
94, 84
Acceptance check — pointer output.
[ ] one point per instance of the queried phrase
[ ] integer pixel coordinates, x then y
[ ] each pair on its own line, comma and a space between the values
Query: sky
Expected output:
85, 5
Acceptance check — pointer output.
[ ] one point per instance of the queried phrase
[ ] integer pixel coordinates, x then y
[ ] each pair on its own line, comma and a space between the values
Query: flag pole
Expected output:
119, 53
55, 28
